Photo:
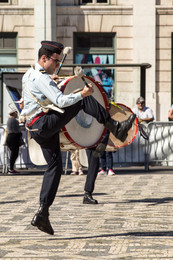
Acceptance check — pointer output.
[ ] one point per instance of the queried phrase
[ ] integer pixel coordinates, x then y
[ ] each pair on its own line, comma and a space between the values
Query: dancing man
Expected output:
45, 122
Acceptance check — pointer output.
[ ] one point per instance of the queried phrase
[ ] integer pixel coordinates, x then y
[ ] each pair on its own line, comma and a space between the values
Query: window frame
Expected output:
6, 3
97, 51
94, 2
6, 50
93, 50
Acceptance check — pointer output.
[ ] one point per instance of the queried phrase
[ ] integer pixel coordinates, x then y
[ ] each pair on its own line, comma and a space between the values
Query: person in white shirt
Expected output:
144, 114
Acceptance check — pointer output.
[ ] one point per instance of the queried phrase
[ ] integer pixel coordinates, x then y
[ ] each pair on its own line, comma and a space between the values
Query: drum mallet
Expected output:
78, 71
66, 52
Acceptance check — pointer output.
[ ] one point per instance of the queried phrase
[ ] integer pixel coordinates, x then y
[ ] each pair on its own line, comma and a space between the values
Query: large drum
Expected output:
120, 112
83, 131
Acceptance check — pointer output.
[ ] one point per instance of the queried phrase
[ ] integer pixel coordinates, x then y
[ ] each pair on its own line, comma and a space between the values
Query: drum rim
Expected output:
98, 84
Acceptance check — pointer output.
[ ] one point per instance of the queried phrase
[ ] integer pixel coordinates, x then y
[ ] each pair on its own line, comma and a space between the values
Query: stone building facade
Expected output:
142, 34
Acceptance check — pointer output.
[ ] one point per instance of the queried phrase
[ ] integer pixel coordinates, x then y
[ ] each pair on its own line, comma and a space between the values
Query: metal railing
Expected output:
160, 146
120, 157
3, 151
157, 151
142, 66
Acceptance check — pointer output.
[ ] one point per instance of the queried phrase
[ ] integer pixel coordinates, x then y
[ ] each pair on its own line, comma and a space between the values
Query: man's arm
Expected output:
145, 120
170, 114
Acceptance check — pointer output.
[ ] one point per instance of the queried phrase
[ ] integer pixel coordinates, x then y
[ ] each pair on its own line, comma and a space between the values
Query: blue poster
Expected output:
104, 76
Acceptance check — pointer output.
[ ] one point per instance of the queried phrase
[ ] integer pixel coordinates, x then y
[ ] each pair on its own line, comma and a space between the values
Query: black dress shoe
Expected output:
120, 129
125, 127
41, 220
88, 199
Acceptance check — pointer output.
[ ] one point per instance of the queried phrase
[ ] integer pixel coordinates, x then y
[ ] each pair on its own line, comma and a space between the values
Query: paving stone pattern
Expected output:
133, 220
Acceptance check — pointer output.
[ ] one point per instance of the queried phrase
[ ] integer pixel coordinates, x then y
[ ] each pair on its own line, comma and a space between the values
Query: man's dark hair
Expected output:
43, 51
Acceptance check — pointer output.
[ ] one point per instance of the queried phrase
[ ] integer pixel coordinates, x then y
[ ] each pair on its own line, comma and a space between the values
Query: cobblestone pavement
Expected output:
133, 219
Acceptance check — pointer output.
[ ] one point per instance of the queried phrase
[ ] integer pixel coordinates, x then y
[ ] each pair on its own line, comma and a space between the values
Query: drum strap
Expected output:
48, 107
35, 118
45, 108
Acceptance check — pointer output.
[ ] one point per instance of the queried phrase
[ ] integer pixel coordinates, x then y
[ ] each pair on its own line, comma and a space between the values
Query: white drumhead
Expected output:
83, 157
84, 130
35, 152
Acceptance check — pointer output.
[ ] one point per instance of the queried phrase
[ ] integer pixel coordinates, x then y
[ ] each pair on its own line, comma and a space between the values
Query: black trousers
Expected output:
93, 167
13, 143
47, 136
106, 160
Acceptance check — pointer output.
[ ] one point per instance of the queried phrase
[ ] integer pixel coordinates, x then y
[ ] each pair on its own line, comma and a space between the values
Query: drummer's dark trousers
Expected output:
47, 136
93, 166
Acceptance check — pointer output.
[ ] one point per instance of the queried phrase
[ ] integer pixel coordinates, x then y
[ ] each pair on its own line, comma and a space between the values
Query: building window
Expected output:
101, 1
4, 1
8, 48
93, 1
8, 41
97, 48
8, 55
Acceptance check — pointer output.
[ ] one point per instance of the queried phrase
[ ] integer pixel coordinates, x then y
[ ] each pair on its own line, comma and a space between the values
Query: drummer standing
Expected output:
44, 125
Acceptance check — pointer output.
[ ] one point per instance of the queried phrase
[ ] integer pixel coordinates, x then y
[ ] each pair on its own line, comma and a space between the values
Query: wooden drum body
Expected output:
120, 112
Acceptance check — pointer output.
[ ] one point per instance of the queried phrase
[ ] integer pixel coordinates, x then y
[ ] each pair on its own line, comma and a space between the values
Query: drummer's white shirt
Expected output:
42, 88
145, 113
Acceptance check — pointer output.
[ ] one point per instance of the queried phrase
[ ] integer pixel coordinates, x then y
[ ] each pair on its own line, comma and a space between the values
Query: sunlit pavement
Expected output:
133, 219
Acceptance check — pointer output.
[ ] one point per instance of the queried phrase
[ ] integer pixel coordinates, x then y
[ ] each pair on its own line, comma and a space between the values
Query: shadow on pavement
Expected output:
134, 234
79, 195
154, 201
12, 201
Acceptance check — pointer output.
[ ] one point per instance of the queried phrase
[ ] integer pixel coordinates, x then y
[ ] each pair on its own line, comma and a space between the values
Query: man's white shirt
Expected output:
42, 87
145, 113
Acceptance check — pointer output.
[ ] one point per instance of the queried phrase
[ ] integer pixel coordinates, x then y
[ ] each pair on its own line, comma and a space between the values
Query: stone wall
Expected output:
143, 34
164, 30
20, 19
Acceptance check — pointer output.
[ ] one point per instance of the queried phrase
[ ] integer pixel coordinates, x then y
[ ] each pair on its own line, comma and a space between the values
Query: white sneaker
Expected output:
102, 172
13, 172
111, 172
81, 173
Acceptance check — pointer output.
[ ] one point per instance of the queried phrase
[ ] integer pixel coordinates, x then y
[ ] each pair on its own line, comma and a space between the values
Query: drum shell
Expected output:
121, 112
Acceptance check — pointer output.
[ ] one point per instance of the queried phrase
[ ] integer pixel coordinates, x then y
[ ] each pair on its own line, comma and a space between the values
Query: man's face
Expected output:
51, 63
21, 105
140, 105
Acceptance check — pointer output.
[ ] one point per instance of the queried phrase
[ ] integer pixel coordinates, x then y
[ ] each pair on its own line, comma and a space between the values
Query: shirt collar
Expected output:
38, 66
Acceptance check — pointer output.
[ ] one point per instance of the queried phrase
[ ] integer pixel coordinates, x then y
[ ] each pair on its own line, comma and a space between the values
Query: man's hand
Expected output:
87, 91
140, 120
54, 77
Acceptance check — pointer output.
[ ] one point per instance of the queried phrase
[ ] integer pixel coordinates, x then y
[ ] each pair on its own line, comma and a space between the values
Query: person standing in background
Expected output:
20, 103
170, 114
144, 114
13, 139
106, 160
76, 165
